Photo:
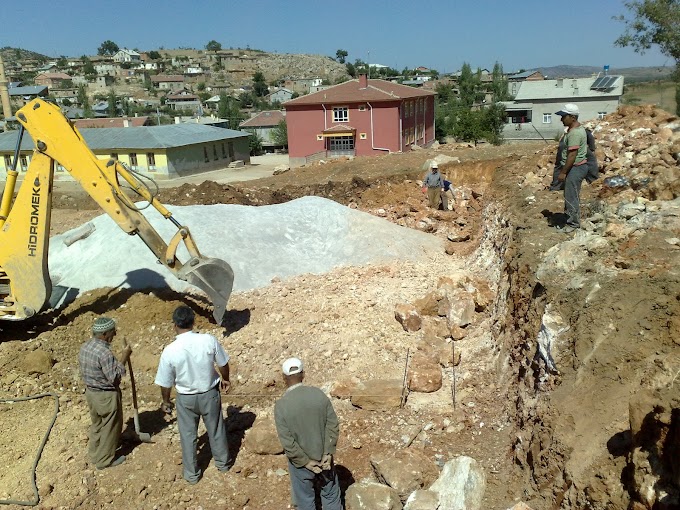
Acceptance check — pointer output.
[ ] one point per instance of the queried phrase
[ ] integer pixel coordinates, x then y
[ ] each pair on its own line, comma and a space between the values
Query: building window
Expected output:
206, 158
514, 88
8, 162
340, 114
24, 163
215, 153
133, 161
600, 115
151, 161
362, 136
60, 168
547, 118
342, 143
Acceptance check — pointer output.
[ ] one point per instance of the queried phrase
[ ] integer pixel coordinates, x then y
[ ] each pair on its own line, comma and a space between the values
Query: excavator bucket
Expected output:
214, 277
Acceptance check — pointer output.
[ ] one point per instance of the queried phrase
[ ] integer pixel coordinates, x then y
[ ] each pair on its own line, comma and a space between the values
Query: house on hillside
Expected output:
22, 95
51, 80
531, 115
525, 76
160, 152
280, 96
183, 100
168, 81
126, 55
262, 124
360, 117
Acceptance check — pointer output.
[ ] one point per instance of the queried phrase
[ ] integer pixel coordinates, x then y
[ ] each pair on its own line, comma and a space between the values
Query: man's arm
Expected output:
225, 384
332, 430
166, 405
571, 159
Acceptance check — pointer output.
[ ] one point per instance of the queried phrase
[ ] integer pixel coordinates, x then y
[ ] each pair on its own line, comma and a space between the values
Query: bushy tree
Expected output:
260, 87
499, 84
228, 108
351, 70
62, 62
467, 84
654, 23
111, 98
84, 101
154, 55
255, 143
213, 46
280, 134
108, 48
341, 55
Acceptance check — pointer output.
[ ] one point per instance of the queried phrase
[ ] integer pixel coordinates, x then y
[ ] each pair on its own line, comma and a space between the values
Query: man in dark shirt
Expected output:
101, 373
308, 430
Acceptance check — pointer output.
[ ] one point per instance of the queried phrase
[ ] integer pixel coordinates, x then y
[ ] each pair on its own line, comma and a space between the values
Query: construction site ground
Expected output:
551, 438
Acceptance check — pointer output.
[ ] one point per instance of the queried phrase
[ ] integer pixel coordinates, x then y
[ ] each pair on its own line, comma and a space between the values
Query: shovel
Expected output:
144, 437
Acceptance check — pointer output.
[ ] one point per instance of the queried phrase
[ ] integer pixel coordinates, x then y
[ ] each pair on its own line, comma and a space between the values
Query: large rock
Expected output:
424, 374
367, 495
378, 395
262, 438
404, 470
36, 362
461, 310
439, 349
422, 500
408, 317
461, 485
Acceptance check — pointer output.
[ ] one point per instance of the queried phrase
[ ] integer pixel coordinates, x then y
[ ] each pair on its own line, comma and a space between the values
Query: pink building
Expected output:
358, 118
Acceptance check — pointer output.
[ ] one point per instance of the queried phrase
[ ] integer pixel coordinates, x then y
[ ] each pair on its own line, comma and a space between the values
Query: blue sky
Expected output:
441, 34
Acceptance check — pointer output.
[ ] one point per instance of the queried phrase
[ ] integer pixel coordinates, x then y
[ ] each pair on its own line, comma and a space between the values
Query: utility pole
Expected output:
4, 94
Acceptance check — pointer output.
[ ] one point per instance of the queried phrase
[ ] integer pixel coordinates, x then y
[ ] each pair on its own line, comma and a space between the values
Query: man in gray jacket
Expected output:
308, 430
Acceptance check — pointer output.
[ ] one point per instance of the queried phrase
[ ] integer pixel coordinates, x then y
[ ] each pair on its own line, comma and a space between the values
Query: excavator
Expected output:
25, 285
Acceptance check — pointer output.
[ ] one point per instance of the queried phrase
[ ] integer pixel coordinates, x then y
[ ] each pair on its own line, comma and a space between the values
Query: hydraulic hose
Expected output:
36, 496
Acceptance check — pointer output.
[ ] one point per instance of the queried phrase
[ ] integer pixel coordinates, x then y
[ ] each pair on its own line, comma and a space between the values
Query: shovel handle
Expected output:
132, 384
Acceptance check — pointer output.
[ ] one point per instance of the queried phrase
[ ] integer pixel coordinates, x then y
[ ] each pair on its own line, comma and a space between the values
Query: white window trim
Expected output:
547, 118
600, 115
340, 109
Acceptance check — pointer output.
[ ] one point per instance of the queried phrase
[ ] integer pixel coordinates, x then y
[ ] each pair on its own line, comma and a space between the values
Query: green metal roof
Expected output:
138, 138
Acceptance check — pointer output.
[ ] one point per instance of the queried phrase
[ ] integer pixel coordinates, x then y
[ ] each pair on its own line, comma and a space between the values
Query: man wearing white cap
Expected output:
101, 373
573, 164
434, 183
308, 430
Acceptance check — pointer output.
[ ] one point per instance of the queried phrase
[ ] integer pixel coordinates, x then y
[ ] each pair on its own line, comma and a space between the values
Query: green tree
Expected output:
88, 69
255, 143
493, 120
499, 84
351, 70
84, 101
66, 102
467, 85
200, 86
154, 55
62, 62
228, 108
108, 48
444, 92
213, 45
341, 55
260, 87
654, 23
468, 126
280, 134
111, 98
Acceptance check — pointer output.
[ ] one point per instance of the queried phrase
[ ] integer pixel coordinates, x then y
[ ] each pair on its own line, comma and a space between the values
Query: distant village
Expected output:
312, 106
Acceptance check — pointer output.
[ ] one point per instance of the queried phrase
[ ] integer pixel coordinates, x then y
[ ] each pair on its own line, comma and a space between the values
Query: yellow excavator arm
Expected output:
25, 285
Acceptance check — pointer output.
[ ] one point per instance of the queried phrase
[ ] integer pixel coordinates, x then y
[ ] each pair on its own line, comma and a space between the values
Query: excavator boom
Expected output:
25, 286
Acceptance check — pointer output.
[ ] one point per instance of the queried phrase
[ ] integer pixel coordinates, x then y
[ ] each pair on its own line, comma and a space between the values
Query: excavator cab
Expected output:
25, 285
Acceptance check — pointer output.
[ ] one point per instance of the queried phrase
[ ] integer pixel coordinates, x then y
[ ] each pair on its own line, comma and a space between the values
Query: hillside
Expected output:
10, 54
630, 73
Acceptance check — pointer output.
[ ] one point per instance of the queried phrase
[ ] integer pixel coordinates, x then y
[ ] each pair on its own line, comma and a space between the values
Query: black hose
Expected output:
36, 496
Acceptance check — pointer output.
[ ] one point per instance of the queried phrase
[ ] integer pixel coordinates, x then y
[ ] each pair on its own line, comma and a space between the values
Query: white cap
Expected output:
434, 165
568, 109
292, 366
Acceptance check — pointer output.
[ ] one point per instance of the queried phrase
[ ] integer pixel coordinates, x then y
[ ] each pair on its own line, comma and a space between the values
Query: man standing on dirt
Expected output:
434, 183
188, 363
573, 165
308, 430
101, 373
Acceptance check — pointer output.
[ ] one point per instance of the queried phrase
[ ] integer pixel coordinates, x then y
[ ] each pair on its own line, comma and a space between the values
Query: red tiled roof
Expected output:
262, 119
116, 122
349, 92
170, 77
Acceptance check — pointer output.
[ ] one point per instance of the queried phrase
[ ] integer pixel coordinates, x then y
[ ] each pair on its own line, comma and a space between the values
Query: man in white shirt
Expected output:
189, 363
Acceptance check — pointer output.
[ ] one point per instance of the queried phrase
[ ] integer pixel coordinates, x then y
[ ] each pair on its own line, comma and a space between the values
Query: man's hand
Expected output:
314, 466
167, 407
327, 462
561, 176
125, 354
225, 385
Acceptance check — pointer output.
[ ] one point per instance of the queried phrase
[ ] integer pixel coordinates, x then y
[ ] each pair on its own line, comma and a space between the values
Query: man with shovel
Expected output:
101, 373
188, 363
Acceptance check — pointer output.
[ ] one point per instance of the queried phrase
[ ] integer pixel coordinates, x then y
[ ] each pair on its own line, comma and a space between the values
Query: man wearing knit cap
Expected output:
308, 430
101, 373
